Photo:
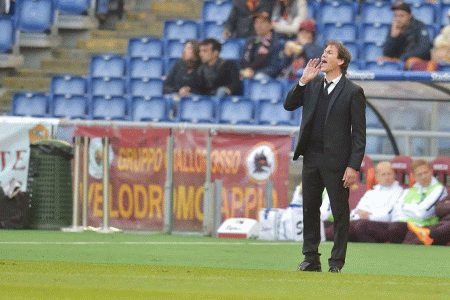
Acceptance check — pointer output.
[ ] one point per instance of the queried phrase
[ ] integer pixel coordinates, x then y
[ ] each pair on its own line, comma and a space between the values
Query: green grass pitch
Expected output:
57, 265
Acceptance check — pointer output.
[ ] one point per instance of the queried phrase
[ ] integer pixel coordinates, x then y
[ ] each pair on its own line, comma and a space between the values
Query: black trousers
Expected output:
316, 177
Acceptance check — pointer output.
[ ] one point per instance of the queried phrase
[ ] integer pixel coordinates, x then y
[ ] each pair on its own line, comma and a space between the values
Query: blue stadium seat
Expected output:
444, 68
337, 12
155, 109
341, 32
231, 49
313, 7
374, 33
69, 106
174, 48
212, 29
356, 65
216, 10
7, 34
424, 12
443, 18
143, 67
73, 7
106, 86
236, 110
384, 66
353, 47
181, 30
265, 89
145, 47
371, 51
68, 84
109, 108
273, 113
30, 105
145, 87
377, 12
197, 110
107, 65
34, 15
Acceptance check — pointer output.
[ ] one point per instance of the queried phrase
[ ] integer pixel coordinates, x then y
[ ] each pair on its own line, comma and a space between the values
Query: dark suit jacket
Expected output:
345, 123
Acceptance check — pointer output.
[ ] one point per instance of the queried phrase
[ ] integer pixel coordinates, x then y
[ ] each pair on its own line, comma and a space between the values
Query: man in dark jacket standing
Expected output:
407, 37
332, 141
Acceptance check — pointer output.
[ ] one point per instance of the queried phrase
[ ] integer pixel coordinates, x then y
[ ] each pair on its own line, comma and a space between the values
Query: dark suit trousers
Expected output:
316, 177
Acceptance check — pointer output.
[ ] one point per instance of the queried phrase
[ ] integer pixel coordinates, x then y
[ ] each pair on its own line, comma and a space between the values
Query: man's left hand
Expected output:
349, 177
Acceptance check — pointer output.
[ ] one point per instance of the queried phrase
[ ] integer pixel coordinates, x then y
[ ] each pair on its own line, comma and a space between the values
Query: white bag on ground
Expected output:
269, 220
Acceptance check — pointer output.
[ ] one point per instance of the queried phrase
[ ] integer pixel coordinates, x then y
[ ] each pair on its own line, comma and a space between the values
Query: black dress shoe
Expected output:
334, 269
311, 267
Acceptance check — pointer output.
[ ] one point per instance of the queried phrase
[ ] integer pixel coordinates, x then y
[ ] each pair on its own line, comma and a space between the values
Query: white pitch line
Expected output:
150, 243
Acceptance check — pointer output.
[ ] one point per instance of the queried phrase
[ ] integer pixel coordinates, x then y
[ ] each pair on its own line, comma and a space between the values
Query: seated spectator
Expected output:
287, 16
219, 77
408, 39
439, 233
416, 205
376, 204
183, 79
240, 22
262, 52
297, 53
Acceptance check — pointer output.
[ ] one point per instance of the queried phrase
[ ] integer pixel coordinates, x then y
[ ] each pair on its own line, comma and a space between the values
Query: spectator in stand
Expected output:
408, 39
287, 16
183, 78
297, 53
439, 233
417, 205
262, 52
441, 45
240, 21
376, 204
218, 77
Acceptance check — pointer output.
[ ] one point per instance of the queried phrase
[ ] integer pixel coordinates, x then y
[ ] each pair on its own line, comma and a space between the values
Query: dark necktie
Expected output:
327, 85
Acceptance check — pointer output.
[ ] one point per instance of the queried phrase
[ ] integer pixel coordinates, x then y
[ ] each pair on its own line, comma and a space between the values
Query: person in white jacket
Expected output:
416, 205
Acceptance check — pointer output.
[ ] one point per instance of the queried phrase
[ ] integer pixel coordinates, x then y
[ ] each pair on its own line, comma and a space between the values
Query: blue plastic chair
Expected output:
174, 48
107, 65
231, 49
266, 89
7, 34
378, 12
34, 15
273, 113
337, 12
105, 86
216, 10
341, 32
197, 110
424, 12
374, 33
30, 104
146, 87
109, 108
68, 84
70, 106
139, 67
384, 66
371, 51
145, 47
155, 109
181, 30
236, 110
212, 29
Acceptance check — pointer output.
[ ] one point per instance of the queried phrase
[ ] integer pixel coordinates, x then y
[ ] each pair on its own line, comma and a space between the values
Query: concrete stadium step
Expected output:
153, 29
5, 101
22, 83
102, 34
72, 54
104, 45
60, 66
178, 9
144, 16
29, 73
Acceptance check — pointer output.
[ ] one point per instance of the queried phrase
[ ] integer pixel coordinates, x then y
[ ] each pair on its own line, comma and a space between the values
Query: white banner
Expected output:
16, 134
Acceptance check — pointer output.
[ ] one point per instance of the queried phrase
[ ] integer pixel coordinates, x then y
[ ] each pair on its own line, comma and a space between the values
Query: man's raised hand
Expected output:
311, 70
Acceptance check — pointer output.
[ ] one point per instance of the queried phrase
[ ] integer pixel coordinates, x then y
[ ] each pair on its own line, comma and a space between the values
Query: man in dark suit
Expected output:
332, 141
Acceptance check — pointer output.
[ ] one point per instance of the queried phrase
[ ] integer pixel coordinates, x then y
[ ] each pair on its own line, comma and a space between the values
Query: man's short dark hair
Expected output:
343, 53
216, 45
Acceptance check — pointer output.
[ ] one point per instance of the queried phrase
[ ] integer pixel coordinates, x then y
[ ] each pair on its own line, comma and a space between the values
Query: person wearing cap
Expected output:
240, 20
287, 16
262, 52
297, 53
407, 37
